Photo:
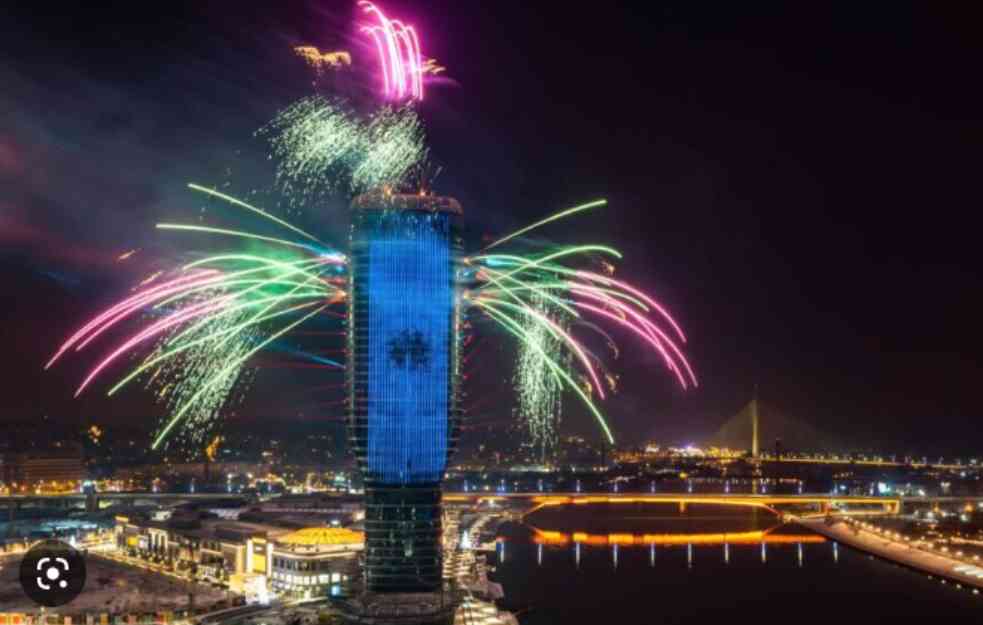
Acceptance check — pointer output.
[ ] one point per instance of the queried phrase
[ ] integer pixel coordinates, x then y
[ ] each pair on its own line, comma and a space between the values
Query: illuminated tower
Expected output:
403, 379
754, 428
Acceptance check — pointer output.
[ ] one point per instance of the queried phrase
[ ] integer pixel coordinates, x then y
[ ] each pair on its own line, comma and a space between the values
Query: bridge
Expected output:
753, 537
822, 504
758, 426
90, 501
532, 501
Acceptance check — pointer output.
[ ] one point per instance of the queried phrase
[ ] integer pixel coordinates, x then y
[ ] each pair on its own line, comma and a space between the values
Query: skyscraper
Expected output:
403, 342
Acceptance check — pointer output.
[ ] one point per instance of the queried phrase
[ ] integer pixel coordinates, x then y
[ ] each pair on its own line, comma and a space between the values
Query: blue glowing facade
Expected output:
402, 378
409, 325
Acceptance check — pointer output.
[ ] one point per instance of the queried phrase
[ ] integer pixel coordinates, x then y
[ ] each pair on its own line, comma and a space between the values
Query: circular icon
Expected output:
52, 573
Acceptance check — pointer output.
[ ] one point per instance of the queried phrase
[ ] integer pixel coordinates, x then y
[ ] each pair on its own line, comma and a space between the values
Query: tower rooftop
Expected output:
385, 200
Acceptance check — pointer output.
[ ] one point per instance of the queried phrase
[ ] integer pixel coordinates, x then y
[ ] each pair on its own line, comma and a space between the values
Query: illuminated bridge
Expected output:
90, 501
819, 504
754, 537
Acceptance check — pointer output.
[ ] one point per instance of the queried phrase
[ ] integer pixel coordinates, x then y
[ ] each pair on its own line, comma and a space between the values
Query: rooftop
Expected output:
322, 536
386, 200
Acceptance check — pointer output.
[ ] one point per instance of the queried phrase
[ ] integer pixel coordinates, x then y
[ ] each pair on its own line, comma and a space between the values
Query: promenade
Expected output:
899, 551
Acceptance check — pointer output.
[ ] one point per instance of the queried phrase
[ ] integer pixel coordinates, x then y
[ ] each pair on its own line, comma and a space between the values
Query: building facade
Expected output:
312, 561
315, 561
56, 472
402, 377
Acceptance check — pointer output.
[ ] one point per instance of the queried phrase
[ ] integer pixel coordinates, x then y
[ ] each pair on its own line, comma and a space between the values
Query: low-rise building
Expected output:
311, 561
314, 561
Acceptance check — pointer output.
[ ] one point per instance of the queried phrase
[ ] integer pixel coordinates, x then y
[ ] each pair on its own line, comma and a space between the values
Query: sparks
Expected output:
319, 61
323, 148
204, 322
541, 300
399, 54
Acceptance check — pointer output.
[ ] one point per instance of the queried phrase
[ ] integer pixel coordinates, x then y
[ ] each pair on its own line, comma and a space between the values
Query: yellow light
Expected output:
319, 60
323, 536
549, 537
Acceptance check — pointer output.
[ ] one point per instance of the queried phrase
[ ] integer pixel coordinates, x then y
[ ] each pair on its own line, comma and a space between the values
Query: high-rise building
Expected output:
403, 370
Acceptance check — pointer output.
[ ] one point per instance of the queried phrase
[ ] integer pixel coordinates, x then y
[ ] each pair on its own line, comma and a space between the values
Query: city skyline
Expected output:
846, 312
441, 313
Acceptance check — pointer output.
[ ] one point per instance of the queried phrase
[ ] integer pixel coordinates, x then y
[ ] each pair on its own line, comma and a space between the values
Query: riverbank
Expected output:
900, 552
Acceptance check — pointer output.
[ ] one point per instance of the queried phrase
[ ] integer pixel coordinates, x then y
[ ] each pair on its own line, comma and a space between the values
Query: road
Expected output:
899, 551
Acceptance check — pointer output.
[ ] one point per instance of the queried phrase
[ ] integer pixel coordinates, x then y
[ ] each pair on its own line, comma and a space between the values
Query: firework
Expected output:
393, 146
320, 61
190, 333
565, 213
399, 54
201, 325
221, 377
540, 299
432, 67
322, 147
204, 322
539, 394
176, 379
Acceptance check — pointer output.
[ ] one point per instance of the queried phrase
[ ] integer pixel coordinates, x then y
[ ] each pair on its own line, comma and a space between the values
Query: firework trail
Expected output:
176, 380
198, 326
399, 54
540, 299
539, 394
322, 147
189, 334
202, 324
320, 61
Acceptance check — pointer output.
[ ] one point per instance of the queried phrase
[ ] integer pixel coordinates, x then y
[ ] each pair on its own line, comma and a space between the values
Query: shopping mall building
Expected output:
311, 561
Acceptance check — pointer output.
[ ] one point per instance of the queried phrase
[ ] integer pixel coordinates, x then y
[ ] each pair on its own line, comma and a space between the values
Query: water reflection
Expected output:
753, 537
781, 536
588, 564
667, 525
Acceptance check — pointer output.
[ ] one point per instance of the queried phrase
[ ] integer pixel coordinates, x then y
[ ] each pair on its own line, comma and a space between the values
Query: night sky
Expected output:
799, 184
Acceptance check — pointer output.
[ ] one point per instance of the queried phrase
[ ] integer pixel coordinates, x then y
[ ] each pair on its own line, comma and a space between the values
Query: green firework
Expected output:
322, 147
539, 392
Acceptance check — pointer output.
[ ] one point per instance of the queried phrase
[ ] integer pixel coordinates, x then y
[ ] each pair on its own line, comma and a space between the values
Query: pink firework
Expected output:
399, 54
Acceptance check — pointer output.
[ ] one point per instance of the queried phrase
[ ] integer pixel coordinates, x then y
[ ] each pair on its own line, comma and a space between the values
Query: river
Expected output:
649, 564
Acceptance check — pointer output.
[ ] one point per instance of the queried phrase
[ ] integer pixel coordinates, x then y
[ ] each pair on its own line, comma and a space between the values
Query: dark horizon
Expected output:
795, 182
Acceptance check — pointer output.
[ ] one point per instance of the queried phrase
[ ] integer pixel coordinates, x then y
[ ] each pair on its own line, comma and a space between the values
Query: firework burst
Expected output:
322, 147
202, 324
190, 334
540, 299
539, 394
